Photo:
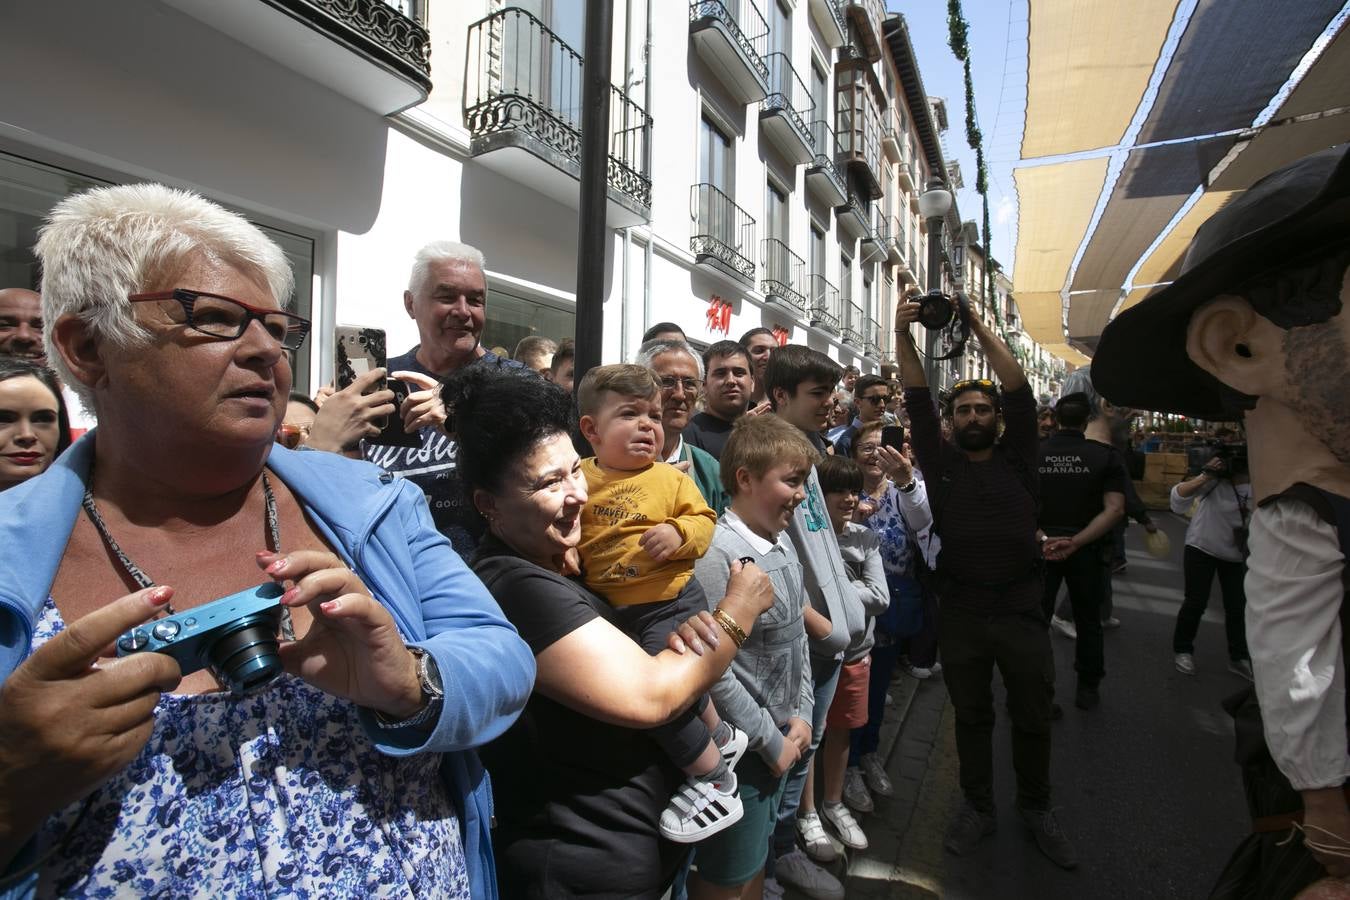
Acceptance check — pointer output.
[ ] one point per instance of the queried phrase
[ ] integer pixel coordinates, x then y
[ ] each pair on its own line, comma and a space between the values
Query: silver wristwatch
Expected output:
433, 692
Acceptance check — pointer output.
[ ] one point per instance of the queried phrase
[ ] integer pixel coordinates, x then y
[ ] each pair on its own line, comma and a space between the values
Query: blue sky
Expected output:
996, 45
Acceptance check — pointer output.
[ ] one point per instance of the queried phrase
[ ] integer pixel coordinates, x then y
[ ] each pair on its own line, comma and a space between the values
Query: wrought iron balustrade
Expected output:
872, 338
745, 23
827, 148
851, 331
784, 275
523, 84
789, 95
722, 230
824, 299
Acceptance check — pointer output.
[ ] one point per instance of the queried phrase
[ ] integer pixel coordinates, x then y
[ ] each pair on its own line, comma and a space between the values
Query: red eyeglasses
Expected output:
227, 318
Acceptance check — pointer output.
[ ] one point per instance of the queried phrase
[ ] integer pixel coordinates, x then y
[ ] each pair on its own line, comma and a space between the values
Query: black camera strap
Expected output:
137, 574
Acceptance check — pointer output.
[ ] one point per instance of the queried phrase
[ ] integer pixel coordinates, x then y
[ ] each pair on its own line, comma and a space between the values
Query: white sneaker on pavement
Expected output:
856, 795
814, 839
841, 820
874, 773
1110, 622
772, 889
734, 748
1185, 663
796, 871
918, 672
700, 809
1064, 627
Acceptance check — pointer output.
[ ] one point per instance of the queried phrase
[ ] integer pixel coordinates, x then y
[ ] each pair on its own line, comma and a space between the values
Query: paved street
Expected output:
1145, 784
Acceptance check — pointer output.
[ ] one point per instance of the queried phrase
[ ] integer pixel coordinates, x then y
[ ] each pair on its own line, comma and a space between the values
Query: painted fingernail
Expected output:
698, 647
290, 595
330, 606
160, 595
276, 567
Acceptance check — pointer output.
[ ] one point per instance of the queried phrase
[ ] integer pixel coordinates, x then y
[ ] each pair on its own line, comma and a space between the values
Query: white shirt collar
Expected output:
737, 524
679, 448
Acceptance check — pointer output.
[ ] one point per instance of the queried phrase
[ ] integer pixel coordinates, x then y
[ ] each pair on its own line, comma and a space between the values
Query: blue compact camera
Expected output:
236, 636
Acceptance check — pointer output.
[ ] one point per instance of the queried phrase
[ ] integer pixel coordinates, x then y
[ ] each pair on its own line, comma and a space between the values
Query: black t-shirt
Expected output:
577, 800
1074, 473
707, 432
985, 512
434, 465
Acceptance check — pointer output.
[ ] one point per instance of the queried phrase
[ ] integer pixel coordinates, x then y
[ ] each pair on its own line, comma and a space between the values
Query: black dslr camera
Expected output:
938, 311
1229, 462
236, 636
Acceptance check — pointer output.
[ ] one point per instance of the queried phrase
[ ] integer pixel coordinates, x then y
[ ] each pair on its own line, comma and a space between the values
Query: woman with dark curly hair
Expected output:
579, 785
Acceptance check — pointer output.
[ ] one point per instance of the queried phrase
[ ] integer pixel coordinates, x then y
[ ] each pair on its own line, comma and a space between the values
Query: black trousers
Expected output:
1198, 569
1019, 645
1086, 574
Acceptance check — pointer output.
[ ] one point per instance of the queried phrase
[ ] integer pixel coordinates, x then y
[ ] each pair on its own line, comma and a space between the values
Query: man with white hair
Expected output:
447, 297
680, 371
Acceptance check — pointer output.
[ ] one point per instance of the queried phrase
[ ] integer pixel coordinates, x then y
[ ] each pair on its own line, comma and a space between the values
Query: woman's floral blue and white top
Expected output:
897, 550
277, 794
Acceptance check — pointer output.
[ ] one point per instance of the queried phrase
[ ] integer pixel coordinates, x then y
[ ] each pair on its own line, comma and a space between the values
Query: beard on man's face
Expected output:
976, 437
1317, 364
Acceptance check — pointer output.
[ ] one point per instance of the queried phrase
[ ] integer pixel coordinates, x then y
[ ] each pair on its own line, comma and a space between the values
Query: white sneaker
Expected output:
935, 669
890, 701
855, 791
1242, 667
795, 870
700, 809
1110, 622
734, 748
1064, 627
814, 839
918, 672
1185, 663
842, 821
772, 889
874, 773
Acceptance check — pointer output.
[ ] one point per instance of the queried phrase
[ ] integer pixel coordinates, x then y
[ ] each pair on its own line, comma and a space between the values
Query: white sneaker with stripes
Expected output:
700, 809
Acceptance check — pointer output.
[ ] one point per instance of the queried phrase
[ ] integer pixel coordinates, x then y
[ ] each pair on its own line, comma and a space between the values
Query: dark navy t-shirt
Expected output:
1075, 472
432, 466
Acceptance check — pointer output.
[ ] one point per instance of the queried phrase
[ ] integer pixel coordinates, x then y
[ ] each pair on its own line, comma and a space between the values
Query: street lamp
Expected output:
934, 203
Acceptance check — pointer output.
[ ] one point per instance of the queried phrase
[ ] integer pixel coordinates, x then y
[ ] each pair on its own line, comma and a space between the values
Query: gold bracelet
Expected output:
729, 625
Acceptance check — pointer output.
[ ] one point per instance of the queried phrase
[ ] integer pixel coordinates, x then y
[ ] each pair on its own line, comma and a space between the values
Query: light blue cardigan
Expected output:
381, 528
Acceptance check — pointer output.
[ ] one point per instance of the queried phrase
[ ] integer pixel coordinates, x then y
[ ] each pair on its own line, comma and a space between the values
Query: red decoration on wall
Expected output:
781, 335
719, 315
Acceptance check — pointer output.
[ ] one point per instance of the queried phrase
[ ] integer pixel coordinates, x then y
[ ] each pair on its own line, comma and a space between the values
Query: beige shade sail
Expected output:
1089, 62
1164, 263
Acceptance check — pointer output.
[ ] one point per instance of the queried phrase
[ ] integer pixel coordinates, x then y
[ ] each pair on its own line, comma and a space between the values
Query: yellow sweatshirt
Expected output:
622, 506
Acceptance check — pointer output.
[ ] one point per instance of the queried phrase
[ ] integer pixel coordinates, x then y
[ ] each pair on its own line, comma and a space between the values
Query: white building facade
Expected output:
765, 155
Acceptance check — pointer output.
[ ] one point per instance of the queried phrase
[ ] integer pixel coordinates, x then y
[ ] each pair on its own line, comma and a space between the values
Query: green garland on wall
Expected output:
958, 38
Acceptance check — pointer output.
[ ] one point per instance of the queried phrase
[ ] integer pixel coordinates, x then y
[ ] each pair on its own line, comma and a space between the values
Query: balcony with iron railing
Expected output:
852, 216
894, 239
867, 16
887, 345
786, 110
824, 298
872, 339
829, 19
784, 276
851, 330
822, 176
872, 241
724, 234
368, 51
522, 105
732, 38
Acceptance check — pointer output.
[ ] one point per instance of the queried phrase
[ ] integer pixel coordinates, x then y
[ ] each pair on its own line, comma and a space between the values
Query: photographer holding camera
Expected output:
212, 756
1220, 502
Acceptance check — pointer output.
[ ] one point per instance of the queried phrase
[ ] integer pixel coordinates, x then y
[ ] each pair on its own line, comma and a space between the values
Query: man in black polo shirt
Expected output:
727, 383
983, 492
1083, 486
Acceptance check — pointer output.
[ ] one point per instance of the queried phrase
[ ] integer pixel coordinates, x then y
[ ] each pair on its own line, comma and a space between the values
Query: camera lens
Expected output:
244, 658
935, 311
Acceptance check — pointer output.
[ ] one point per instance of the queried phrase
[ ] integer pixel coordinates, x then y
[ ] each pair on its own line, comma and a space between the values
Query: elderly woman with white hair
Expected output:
337, 763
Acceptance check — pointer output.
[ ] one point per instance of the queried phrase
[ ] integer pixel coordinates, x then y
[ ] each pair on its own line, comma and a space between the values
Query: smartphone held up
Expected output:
358, 351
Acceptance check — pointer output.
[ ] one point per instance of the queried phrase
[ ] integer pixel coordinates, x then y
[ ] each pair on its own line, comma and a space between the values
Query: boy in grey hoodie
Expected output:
767, 692
800, 384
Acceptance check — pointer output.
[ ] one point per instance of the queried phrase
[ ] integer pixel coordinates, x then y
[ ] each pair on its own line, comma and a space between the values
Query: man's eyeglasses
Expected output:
875, 399
690, 385
973, 384
227, 318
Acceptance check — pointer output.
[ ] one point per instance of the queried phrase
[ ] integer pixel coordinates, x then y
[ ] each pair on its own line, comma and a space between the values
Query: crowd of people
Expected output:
611, 635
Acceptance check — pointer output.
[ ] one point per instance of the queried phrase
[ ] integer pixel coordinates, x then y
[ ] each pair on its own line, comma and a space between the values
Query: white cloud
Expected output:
1005, 211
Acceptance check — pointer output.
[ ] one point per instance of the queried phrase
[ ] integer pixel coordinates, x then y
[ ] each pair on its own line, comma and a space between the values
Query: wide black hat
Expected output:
1141, 359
